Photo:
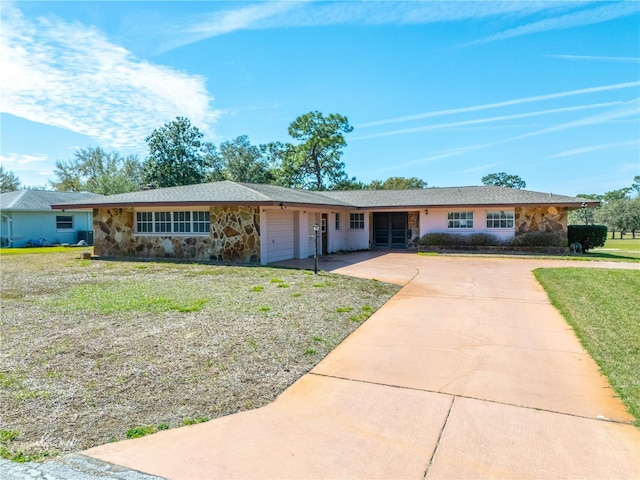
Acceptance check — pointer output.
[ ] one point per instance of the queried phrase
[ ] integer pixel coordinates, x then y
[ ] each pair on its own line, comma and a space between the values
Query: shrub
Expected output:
456, 239
483, 239
538, 239
442, 239
589, 236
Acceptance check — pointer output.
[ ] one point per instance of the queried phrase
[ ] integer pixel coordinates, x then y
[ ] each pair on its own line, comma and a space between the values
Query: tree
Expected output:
94, 170
632, 215
9, 182
349, 184
398, 183
635, 186
314, 163
242, 162
177, 155
585, 215
503, 179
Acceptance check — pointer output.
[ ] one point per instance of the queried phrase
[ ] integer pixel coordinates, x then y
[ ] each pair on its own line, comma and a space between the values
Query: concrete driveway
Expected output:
468, 372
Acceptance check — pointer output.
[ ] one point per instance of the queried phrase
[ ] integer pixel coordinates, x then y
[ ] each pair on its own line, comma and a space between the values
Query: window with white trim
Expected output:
183, 222
337, 221
460, 220
64, 222
162, 222
144, 222
356, 221
500, 219
201, 222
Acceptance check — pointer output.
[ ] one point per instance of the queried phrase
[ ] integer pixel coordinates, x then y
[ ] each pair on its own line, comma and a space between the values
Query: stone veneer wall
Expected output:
541, 219
414, 226
234, 237
235, 232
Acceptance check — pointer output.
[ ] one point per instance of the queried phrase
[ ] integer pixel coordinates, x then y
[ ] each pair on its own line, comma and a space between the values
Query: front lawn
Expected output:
603, 308
614, 249
56, 249
95, 351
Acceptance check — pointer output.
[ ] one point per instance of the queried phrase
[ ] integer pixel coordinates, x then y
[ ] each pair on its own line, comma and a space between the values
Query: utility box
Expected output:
86, 236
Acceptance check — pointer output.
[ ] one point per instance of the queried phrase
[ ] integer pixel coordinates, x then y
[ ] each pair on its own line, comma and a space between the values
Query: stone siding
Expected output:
541, 219
234, 237
414, 226
235, 232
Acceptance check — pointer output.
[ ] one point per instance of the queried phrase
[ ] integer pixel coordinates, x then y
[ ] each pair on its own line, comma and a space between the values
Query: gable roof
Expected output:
40, 200
232, 193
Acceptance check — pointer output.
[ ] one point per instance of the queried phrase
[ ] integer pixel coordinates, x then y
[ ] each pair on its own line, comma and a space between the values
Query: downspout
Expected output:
9, 221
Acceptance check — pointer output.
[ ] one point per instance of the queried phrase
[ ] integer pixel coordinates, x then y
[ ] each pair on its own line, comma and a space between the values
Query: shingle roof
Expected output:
224, 192
488, 195
41, 200
227, 192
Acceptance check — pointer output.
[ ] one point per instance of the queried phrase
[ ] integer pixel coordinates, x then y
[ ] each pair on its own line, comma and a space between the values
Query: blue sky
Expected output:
444, 91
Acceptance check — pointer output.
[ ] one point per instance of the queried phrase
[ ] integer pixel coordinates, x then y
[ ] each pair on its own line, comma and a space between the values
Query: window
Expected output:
500, 219
64, 222
356, 221
172, 222
460, 220
162, 222
201, 222
144, 222
182, 222
337, 221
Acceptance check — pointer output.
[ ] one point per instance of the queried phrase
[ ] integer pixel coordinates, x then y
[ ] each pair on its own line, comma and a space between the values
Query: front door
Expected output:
325, 239
390, 229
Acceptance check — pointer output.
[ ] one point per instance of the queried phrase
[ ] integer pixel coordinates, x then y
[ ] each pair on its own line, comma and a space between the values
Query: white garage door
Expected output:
280, 236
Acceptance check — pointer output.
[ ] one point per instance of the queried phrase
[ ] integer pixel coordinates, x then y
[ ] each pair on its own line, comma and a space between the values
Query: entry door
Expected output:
325, 238
390, 229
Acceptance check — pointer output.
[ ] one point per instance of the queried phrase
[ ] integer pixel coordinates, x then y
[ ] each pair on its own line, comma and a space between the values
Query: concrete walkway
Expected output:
468, 372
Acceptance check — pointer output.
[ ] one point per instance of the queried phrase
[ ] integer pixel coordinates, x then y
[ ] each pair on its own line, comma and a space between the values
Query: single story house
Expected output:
27, 216
247, 223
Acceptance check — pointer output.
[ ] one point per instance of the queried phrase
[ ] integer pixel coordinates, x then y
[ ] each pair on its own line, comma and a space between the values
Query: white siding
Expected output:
436, 221
280, 238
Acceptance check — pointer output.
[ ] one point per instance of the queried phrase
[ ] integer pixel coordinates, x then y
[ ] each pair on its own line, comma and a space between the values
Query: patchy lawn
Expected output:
603, 308
97, 351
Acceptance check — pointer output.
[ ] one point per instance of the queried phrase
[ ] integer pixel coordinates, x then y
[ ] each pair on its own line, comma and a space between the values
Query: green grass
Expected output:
26, 251
626, 249
127, 296
603, 308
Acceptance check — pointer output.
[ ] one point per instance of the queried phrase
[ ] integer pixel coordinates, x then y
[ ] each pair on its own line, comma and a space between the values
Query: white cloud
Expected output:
477, 121
478, 169
305, 13
454, 152
595, 148
221, 22
507, 103
589, 16
71, 76
16, 161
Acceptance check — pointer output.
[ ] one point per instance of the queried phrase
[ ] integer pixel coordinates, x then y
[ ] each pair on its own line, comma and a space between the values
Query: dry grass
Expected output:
93, 349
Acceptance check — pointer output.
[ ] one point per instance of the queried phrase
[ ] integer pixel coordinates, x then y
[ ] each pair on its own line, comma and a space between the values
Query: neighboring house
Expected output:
26, 216
247, 223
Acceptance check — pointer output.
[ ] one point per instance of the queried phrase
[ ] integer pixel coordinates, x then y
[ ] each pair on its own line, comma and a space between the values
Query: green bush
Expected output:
538, 239
529, 239
589, 236
483, 240
440, 239
456, 239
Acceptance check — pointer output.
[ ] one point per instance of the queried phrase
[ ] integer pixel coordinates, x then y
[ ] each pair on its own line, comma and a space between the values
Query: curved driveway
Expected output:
468, 372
